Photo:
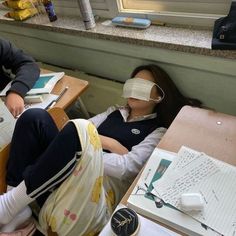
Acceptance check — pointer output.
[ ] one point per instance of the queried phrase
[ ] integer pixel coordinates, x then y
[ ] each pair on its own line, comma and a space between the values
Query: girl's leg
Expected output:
52, 167
55, 164
34, 131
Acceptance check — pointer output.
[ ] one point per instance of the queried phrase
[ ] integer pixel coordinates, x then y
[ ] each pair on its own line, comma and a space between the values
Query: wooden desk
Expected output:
75, 88
203, 130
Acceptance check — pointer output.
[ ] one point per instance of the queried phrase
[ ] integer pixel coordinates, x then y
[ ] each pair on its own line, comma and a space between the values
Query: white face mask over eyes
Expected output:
140, 89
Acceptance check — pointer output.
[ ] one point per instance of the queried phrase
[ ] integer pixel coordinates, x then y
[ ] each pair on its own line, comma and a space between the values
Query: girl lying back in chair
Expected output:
79, 174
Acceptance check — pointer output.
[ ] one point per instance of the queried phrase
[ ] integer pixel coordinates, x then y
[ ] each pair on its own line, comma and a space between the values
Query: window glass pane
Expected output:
186, 6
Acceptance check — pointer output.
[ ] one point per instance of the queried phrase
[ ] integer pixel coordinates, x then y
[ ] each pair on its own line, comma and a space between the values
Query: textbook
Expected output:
44, 84
147, 203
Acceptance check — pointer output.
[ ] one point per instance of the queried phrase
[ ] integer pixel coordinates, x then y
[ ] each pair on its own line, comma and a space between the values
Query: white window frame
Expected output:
71, 8
173, 17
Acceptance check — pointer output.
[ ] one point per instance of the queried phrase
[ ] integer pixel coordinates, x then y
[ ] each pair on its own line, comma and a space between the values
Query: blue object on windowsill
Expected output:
131, 22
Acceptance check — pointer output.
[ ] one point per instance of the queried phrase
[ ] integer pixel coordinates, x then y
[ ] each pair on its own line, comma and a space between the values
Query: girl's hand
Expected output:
14, 103
113, 145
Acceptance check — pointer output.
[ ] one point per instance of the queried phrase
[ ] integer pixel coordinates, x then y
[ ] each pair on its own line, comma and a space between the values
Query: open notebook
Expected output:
196, 172
146, 203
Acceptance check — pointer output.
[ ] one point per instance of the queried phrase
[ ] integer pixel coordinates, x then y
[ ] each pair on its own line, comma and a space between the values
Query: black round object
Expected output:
125, 222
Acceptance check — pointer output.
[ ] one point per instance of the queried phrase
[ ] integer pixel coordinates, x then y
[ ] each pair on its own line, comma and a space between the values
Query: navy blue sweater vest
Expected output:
128, 134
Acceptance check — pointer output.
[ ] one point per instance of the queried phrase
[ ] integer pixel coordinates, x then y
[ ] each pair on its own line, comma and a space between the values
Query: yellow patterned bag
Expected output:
20, 4
22, 14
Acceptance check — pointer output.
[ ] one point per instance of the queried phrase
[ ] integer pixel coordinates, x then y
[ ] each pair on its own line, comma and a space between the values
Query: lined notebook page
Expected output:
215, 180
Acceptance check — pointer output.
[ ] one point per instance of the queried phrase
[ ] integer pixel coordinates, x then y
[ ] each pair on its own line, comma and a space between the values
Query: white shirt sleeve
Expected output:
128, 165
98, 119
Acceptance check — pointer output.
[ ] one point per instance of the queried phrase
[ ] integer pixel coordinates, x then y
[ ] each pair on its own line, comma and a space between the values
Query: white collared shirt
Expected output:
125, 114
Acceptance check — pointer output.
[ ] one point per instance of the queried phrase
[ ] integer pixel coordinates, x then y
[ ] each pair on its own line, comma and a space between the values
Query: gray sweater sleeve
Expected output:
23, 66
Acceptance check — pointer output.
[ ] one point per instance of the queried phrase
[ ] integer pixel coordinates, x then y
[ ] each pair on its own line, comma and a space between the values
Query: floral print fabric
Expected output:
81, 205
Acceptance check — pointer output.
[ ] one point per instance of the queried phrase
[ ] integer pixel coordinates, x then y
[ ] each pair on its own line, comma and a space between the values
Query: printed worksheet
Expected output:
194, 172
7, 124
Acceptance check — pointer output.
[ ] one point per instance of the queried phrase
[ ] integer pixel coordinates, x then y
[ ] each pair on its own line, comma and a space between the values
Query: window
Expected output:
187, 6
104, 8
191, 12
66, 7
196, 12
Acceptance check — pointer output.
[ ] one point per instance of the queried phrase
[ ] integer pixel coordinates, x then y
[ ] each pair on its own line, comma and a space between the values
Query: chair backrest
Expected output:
4, 153
59, 116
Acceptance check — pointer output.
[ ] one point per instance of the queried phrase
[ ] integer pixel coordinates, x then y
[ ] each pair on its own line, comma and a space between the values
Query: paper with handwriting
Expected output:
214, 180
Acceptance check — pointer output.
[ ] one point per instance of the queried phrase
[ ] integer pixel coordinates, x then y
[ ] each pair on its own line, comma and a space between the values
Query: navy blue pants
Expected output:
41, 155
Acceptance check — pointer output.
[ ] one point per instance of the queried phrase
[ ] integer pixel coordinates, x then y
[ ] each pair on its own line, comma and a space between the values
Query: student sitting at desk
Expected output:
26, 73
77, 184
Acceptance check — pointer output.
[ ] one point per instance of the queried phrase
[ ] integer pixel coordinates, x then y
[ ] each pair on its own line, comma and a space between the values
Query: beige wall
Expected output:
212, 80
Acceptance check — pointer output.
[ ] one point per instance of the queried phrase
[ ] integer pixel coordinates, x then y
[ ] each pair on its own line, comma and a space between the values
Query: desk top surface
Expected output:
75, 86
203, 130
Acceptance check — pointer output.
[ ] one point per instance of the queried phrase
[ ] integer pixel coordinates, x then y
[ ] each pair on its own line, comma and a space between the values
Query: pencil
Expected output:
53, 102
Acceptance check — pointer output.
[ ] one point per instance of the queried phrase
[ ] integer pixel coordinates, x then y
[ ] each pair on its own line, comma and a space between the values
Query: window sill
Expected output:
171, 38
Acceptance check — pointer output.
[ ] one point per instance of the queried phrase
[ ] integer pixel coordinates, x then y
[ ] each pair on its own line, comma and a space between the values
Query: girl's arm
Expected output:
128, 165
22, 65
112, 145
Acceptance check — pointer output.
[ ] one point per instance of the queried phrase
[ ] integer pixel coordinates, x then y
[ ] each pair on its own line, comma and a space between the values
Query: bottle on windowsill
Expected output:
87, 14
50, 10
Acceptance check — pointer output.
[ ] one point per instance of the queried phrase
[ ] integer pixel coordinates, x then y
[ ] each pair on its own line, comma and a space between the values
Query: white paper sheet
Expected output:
214, 180
181, 180
7, 124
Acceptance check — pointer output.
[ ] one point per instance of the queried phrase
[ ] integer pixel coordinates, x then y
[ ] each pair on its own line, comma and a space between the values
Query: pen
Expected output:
52, 103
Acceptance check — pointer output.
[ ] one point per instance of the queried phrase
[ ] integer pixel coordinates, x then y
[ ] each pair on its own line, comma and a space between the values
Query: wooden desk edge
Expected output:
69, 81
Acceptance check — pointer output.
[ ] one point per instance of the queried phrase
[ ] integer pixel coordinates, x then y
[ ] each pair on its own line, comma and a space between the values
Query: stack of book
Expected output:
40, 95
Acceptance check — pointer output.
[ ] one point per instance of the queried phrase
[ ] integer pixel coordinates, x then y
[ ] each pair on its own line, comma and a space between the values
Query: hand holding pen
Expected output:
53, 102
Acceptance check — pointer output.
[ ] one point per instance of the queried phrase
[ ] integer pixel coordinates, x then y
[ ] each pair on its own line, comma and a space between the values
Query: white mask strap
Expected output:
160, 98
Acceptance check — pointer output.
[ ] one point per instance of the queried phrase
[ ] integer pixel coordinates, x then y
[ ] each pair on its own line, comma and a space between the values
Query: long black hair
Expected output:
173, 100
